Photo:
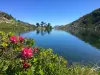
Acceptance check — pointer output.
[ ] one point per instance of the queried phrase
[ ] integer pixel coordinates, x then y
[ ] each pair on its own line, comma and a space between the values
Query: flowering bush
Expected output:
21, 39
13, 39
18, 56
27, 53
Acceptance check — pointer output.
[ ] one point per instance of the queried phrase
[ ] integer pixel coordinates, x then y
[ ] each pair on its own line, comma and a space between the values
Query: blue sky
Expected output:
57, 12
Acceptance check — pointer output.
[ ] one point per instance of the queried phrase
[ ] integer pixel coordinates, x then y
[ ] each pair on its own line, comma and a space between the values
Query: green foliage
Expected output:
77, 69
47, 63
37, 24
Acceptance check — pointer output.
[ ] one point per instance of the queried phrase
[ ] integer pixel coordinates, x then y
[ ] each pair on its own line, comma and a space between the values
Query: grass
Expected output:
8, 27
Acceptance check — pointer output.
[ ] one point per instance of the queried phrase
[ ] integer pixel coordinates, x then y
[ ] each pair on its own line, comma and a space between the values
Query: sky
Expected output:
57, 12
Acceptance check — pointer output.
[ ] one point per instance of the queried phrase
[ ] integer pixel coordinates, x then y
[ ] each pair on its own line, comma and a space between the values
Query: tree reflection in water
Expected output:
43, 32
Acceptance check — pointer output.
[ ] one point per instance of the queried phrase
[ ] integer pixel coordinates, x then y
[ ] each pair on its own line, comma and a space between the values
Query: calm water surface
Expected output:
66, 45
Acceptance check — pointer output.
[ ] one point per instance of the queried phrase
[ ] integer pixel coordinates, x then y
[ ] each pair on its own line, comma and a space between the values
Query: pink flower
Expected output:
27, 53
13, 39
21, 39
35, 49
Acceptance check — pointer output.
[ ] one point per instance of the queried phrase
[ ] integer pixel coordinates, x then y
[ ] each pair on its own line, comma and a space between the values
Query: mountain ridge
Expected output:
7, 21
89, 31
88, 21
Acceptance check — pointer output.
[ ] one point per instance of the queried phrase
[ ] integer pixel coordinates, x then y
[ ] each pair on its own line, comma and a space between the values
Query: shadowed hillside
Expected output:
8, 22
86, 28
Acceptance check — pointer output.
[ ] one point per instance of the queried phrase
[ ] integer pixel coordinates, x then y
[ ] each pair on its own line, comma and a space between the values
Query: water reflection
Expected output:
67, 45
43, 32
89, 36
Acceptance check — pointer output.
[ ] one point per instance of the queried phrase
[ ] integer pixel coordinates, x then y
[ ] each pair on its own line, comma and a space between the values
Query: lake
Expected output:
67, 45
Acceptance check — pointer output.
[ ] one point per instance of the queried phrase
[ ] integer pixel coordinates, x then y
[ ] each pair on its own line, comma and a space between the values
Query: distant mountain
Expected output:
86, 28
5, 15
7, 21
88, 21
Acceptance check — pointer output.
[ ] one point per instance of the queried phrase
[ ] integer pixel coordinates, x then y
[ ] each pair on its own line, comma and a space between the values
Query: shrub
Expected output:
18, 56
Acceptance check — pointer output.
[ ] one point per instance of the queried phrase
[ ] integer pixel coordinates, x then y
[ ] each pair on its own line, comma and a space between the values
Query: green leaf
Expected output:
5, 68
41, 72
35, 59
